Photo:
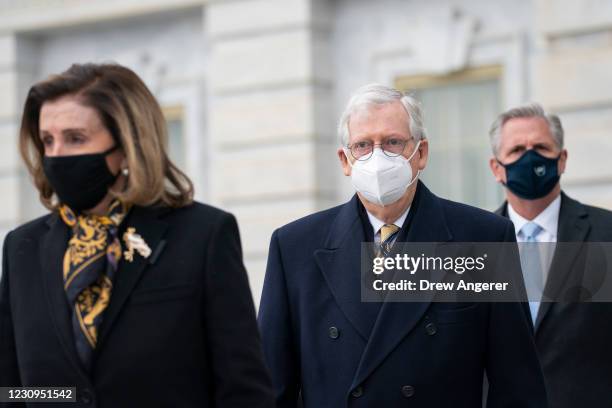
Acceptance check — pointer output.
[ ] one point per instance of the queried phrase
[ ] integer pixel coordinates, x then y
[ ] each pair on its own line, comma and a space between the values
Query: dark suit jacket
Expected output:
320, 340
180, 329
574, 339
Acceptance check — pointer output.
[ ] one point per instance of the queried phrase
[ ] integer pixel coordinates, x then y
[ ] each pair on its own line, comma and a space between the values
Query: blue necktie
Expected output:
532, 266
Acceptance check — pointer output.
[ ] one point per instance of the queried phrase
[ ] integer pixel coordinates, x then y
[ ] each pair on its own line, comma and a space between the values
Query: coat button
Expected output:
430, 328
86, 397
334, 333
357, 392
407, 391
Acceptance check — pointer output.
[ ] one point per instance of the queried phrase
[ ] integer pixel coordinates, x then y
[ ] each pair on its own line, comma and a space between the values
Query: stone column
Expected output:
9, 178
572, 75
271, 117
16, 66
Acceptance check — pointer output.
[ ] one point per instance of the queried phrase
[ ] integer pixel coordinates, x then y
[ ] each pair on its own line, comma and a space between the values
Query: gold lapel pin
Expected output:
134, 241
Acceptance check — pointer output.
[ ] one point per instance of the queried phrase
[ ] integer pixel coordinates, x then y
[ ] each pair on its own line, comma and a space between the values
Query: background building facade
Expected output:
252, 90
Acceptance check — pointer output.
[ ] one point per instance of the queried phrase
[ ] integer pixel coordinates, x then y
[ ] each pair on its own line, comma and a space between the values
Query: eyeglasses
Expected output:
392, 147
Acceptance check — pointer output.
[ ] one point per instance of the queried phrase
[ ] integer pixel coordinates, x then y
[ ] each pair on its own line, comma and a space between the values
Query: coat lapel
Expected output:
52, 249
396, 319
339, 261
573, 227
146, 223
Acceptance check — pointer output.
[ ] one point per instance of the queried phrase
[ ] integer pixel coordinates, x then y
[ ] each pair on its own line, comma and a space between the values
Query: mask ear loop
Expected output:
504, 166
415, 178
116, 146
416, 149
344, 149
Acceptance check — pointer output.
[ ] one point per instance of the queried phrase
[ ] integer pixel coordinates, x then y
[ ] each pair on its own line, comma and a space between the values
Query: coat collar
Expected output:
426, 209
573, 218
503, 209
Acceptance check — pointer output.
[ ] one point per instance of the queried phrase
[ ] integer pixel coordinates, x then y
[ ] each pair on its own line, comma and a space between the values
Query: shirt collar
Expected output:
548, 219
377, 224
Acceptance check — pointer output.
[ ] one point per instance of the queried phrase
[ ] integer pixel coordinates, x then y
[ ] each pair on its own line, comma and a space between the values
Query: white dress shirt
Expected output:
547, 219
377, 224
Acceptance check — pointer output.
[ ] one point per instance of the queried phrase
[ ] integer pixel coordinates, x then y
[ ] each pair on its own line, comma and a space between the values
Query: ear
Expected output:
562, 161
346, 167
499, 172
422, 154
116, 161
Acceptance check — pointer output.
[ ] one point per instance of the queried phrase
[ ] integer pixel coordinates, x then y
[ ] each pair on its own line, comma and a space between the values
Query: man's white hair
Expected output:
532, 110
376, 94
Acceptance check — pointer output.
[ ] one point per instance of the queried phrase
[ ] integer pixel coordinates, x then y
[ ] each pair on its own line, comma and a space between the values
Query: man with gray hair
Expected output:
327, 348
573, 337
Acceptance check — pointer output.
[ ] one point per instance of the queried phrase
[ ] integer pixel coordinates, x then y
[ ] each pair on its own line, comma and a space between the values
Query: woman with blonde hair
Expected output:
127, 290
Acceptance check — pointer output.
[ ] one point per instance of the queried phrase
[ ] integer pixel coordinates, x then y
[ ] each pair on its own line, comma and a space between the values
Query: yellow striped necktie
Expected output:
388, 233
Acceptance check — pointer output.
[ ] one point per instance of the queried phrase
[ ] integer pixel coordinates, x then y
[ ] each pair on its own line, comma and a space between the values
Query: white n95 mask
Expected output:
382, 179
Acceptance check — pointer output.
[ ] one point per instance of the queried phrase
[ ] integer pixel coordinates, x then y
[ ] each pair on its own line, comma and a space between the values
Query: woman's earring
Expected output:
125, 171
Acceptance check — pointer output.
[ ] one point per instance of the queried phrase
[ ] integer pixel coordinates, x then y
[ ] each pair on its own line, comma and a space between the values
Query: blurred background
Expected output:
252, 90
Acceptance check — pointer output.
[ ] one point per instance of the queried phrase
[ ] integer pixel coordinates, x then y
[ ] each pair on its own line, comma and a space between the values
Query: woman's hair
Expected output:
130, 113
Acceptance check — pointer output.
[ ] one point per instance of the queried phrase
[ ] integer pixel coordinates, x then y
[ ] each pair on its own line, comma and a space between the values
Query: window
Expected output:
176, 138
459, 109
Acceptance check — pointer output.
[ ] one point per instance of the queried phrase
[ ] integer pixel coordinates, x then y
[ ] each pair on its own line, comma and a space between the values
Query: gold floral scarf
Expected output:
90, 263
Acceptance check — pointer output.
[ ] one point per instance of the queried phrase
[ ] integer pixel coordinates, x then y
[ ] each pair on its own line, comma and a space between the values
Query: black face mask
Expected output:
80, 181
532, 176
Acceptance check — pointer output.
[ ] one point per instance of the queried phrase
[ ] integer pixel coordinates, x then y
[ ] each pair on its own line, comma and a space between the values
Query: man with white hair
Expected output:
325, 347
573, 335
